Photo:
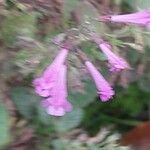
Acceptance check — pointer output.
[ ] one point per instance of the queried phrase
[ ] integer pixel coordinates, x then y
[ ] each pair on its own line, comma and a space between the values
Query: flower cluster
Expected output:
52, 84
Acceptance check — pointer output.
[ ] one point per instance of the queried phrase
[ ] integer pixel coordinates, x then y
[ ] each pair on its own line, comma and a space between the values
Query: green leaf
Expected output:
83, 99
44, 117
25, 101
4, 126
61, 124
69, 121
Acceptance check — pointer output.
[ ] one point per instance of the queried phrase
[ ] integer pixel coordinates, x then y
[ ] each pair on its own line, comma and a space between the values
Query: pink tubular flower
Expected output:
57, 104
44, 84
104, 90
52, 85
116, 63
140, 18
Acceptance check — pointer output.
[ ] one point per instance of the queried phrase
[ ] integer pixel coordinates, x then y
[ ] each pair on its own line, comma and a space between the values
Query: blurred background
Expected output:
30, 32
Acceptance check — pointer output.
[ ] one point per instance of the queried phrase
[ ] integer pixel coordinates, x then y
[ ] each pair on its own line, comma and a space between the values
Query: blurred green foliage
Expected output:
139, 4
123, 110
27, 104
4, 126
83, 99
15, 24
25, 101
109, 144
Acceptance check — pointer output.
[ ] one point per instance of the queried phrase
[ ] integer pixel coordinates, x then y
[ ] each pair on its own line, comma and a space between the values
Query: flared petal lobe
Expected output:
104, 90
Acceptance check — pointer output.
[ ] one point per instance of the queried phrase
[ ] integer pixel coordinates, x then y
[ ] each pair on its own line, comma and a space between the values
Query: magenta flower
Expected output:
52, 85
104, 90
44, 84
140, 18
116, 63
57, 104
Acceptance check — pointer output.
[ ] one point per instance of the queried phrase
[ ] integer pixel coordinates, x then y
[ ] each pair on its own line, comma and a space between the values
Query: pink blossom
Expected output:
140, 18
104, 90
44, 84
52, 85
57, 104
116, 63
